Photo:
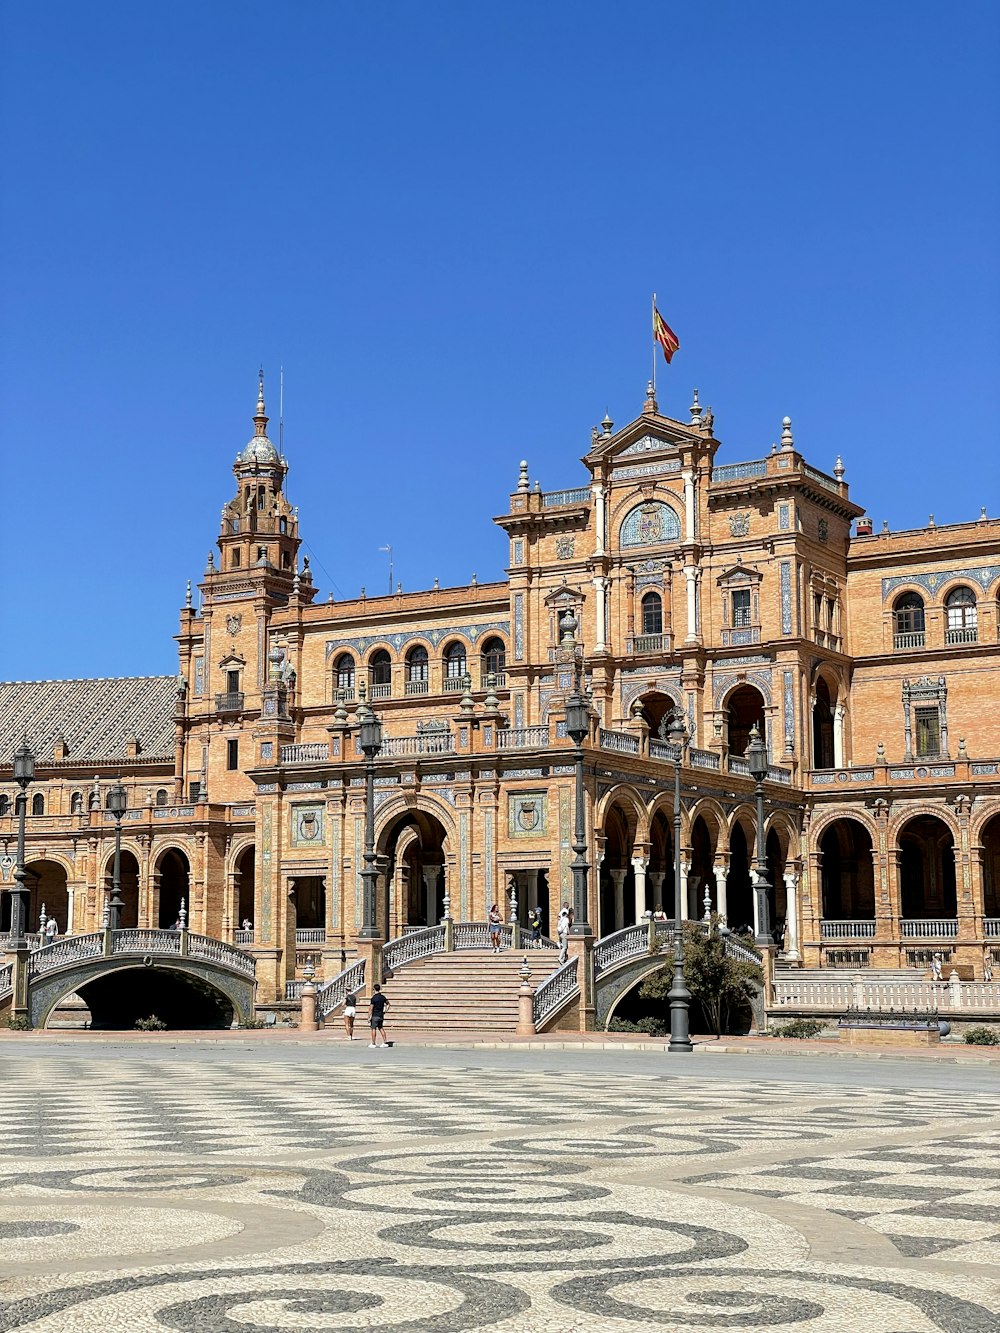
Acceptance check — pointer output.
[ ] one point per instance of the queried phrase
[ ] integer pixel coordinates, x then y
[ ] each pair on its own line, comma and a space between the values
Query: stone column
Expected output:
691, 575
792, 916
688, 478
600, 584
618, 878
429, 874
838, 736
639, 872
685, 909
721, 884
656, 878
597, 490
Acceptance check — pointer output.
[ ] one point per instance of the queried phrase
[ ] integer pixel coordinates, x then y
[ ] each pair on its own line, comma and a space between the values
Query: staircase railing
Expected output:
554, 991
408, 948
330, 995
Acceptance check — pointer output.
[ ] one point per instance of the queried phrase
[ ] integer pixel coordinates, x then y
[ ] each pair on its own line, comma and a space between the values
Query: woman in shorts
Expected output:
496, 921
350, 1009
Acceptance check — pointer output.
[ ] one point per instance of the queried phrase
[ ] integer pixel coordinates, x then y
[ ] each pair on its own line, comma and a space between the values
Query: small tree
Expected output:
719, 983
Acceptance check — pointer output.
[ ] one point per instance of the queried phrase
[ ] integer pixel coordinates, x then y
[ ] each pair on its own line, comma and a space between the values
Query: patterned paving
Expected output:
241, 1196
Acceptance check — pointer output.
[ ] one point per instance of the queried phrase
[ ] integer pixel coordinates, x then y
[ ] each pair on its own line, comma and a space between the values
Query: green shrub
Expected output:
652, 1027
800, 1028
150, 1024
981, 1036
19, 1023
256, 1023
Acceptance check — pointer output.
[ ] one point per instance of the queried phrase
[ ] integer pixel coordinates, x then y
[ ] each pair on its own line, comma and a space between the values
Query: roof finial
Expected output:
187, 595
839, 469
695, 410
260, 392
523, 484
650, 404
787, 442
607, 425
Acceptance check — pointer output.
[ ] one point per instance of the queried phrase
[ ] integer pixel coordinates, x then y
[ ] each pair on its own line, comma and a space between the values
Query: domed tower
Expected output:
259, 527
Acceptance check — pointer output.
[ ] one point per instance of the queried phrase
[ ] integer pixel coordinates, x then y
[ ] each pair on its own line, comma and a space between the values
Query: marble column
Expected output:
639, 873
618, 879
429, 874
685, 910
838, 736
792, 916
656, 878
600, 606
721, 902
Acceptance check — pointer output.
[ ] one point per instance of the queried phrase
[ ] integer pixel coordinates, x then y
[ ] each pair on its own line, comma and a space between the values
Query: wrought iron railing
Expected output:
554, 991
230, 702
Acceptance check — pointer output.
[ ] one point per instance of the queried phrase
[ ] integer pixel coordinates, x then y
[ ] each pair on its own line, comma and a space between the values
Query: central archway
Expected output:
412, 849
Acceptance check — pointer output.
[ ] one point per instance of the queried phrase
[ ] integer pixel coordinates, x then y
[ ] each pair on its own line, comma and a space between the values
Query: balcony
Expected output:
311, 752
847, 930
648, 643
452, 684
945, 928
522, 738
380, 690
310, 935
230, 702
416, 687
397, 747
965, 634
912, 639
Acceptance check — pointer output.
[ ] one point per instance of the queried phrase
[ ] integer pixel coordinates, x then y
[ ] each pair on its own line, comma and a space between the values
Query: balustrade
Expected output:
578, 495
6, 978
991, 927
416, 944
218, 951
310, 935
913, 639
476, 935
381, 690
394, 747
553, 991
623, 742
847, 930
648, 643
417, 687
945, 928
522, 738
966, 634
308, 753
882, 996
146, 940
631, 942
704, 759
243, 937
70, 949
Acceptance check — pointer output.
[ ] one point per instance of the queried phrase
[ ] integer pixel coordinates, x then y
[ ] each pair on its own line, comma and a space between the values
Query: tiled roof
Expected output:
95, 717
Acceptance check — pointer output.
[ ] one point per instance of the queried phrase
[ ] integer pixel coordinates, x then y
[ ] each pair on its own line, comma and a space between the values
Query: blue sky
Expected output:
446, 220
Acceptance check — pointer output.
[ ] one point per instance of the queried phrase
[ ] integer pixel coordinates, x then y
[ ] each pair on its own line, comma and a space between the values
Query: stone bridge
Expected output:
160, 967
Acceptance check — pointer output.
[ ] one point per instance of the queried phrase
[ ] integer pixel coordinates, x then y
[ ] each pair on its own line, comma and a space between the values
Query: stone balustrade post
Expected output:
308, 1022
525, 1003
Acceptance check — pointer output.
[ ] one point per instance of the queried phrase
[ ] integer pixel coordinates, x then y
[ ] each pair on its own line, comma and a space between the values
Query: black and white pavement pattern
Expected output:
231, 1193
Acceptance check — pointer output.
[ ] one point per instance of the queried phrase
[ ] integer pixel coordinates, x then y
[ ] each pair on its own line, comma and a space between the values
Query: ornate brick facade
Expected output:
734, 593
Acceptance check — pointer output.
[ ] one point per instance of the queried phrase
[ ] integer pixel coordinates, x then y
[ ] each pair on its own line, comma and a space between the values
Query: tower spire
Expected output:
260, 419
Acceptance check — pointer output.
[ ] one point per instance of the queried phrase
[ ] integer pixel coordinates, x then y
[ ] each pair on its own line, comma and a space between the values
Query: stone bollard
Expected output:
525, 1002
308, 1022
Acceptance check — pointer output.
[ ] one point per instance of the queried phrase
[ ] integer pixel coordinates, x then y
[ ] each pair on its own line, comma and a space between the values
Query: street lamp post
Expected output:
117, 802
24, 772
370, 735
577, 728
756, 757
678, 995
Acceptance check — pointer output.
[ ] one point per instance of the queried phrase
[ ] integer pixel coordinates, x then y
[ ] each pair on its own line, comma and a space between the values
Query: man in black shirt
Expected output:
377, 1006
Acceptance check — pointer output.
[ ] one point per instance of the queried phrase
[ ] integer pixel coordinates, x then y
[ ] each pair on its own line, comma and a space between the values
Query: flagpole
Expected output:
653, 328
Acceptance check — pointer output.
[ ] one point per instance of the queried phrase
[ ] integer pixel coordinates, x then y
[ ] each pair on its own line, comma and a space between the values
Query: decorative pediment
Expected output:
738, 574
646, 437
231, 661
563, 594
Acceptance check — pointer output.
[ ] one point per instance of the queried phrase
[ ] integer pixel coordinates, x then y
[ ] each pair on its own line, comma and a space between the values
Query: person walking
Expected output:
51, 930
495, 923
535, 922
562, 933
350, 1009
377, 1005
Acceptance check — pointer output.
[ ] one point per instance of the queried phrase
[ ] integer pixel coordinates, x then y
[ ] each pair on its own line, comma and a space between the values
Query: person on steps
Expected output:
496, 922
350, 1009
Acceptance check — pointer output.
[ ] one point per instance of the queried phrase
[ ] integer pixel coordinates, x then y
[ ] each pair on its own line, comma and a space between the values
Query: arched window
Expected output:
4, 805
380, 674
649, 524
494, 661
652, 613
343, 675
454, 665
161, 796
38, 804
908, 621
963, 616
416, 670
76, 803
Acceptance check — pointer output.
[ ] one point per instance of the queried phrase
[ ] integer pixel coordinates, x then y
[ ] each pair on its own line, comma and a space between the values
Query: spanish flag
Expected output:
664, 335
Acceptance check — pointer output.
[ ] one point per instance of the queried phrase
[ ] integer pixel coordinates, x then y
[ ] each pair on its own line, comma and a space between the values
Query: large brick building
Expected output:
734, 592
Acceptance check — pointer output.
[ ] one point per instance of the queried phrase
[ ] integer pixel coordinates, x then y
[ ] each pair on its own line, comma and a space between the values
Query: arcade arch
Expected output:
412, 848
927, 869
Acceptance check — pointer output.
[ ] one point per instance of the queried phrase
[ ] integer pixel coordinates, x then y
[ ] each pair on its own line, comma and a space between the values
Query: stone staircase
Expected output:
471, 990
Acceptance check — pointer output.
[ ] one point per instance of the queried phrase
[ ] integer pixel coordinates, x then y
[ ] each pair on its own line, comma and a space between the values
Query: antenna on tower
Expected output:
388, 551
281, 411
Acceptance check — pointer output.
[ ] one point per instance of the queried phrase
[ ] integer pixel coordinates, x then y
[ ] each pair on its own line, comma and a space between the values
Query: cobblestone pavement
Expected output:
242, 1194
